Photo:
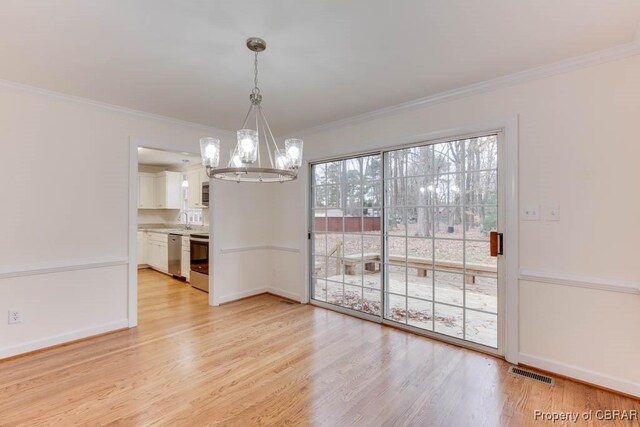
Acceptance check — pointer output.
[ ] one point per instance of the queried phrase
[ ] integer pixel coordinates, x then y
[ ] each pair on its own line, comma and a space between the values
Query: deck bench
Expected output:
422, 265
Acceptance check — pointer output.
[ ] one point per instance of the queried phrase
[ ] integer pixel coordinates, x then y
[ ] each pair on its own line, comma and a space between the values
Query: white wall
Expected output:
578, 148
70, 160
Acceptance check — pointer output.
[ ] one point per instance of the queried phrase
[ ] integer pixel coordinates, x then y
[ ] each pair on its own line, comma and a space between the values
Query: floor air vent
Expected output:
528, 374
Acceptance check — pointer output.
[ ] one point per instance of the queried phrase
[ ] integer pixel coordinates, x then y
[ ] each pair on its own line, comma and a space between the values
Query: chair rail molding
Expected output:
564, 279
60, 266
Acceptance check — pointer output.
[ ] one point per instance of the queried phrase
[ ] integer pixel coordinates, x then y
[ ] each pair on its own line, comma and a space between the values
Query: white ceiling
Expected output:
148, 156
326, 60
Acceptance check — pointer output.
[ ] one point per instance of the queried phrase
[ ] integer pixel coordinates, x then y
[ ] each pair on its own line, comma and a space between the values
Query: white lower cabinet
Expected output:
141, 247
157, 255
186, 257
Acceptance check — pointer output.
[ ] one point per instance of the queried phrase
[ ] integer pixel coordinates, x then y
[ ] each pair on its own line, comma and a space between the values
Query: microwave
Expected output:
205, 194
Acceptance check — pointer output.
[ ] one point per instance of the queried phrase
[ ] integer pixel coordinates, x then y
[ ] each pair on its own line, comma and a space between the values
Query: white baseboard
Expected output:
53, 340
239, 295
257, 291
581, 374
284, 294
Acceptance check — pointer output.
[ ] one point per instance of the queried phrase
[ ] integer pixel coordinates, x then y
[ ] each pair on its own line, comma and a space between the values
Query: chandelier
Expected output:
247, 161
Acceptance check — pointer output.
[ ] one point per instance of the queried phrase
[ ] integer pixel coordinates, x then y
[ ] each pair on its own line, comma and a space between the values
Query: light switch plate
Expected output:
551, 213
531, 213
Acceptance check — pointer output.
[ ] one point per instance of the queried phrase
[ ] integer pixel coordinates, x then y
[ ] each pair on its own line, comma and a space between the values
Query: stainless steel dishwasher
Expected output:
175, 255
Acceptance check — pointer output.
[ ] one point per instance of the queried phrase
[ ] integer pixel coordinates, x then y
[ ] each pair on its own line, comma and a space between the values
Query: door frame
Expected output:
507, 129
132, 275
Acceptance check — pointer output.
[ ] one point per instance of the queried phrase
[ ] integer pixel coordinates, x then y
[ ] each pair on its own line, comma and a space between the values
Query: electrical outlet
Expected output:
15, 317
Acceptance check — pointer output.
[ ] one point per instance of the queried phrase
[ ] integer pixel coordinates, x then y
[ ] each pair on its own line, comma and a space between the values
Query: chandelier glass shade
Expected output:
257, 157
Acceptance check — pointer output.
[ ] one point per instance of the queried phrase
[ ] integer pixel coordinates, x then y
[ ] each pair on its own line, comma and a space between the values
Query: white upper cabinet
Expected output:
162, 190
196, 178
146, 191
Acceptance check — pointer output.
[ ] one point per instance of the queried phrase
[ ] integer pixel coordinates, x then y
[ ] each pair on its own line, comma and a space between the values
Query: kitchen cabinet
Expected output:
146, 190
157, 251
196, 177
186, 257
141, 247
168, 190
162, 190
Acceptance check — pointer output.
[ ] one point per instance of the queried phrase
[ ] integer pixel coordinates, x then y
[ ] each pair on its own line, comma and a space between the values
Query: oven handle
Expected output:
199, 240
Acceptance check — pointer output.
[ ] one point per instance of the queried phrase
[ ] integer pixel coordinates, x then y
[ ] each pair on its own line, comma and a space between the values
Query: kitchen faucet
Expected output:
187, 226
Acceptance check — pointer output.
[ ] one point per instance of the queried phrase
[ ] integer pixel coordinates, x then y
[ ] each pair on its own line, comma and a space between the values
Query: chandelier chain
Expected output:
256, 89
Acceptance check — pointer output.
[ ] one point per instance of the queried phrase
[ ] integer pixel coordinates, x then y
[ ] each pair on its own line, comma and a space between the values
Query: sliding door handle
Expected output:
496, 246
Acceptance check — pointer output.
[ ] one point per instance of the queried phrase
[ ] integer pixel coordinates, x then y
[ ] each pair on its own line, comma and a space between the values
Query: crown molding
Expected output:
107, 106
575, 63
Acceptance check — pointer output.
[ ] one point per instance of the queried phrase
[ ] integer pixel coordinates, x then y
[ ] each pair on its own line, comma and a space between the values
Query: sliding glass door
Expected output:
346, 233
404, 235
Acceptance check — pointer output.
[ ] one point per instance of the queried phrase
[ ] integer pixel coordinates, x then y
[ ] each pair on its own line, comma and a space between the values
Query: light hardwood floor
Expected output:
260, 361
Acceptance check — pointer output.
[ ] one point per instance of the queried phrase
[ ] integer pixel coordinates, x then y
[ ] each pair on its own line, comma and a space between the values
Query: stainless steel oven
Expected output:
205, 194
199, 275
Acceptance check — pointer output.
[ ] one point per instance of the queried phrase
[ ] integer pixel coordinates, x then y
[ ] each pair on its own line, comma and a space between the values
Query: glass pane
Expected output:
372, 247
320, 197
445, 189
482, 293
420, 250
334, 269
449, 288
397, 308
352, 297
371, 301
395, 193
372, 275
420, 313
332, 196
319, 220
396, 279
449, 253
372, 168
481, 328
396, 222
334, 293
449, 320
319, 244
479, 257
480, 221
481, 153
353, 271
319, 174
397, 250
449, 223
335, 244
420, 284
320, 289
448, 157
371, 195
320, 267
333, 172
481, 188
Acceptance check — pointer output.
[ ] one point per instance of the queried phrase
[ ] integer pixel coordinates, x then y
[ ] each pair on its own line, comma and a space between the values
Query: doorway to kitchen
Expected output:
412, 237
169, 228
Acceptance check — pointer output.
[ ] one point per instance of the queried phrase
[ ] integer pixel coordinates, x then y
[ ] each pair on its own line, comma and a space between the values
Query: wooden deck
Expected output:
260, 361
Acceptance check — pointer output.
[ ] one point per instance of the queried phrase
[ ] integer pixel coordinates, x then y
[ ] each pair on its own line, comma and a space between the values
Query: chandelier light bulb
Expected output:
210, 151
293, 149
248, 145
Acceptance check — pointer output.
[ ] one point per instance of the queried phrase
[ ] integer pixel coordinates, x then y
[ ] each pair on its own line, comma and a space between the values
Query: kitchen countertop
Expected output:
180, 231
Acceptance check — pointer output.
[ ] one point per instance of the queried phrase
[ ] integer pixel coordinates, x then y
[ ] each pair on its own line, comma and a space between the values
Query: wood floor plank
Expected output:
261, 362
